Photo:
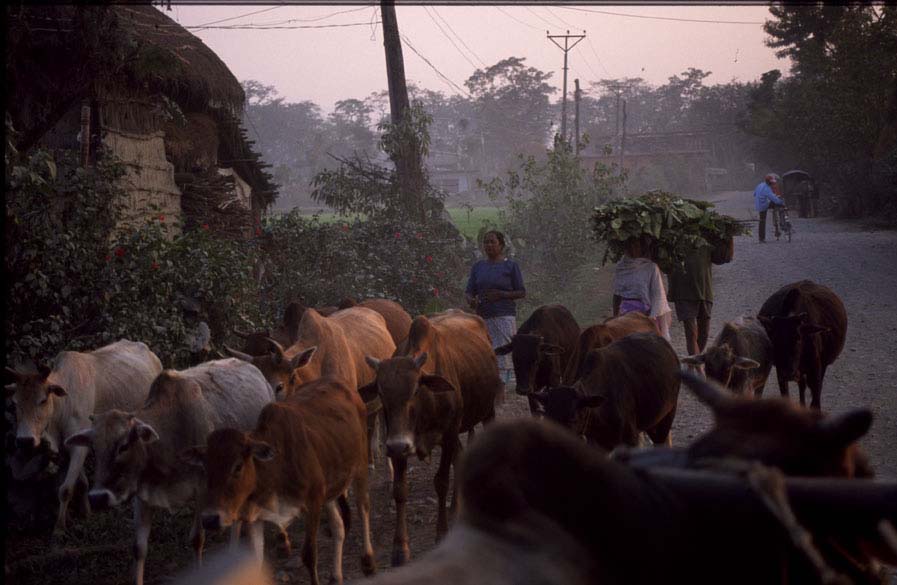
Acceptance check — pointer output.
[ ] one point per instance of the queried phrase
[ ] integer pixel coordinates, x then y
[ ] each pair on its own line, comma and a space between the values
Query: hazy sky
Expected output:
328, 64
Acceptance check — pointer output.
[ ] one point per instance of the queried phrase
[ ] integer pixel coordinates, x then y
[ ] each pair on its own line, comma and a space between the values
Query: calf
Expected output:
542, 348
740, 357
55, 404
603, 334
618, 396
303, 455
136, 453
538, 506
807, 324
442, 380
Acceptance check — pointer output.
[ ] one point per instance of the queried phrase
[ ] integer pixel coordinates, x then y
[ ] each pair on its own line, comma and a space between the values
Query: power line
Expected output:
433, 67
290, 27
600, 62
672, 18
243, 15
589, 65
445, 34
512, 17
564, 22
316, 18
457, 36
539, 16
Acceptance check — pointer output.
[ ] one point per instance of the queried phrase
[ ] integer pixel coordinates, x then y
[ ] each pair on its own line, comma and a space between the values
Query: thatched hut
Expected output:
159, 100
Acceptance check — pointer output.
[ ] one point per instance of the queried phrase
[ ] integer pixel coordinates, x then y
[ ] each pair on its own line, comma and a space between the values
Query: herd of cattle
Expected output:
290, 425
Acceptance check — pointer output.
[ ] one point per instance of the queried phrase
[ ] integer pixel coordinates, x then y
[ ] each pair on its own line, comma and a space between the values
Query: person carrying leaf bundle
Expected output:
638, 286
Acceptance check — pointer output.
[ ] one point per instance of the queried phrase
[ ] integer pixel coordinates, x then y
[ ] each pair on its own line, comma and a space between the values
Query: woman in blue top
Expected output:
494, 284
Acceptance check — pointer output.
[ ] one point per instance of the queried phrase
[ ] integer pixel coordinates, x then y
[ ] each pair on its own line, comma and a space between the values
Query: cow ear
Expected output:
238, 354
195, 456
420, 360
843, 429
435, 384
43, 370
708, 393
144, 432
82, 439
765, 321
550, 349
589, 401
372, 361
810, 329
241, 334
540, 395
303, 358
504, 349
693, 360
262, 451
743, 363
56, 389
369, 393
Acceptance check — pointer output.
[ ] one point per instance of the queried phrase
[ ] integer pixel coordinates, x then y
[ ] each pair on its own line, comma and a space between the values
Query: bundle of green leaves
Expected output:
675, 226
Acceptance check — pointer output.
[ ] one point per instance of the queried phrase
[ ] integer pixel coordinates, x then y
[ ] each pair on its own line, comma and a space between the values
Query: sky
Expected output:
327, 64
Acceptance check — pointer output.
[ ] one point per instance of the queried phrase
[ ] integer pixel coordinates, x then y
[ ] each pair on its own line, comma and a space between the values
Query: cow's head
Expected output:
419, 408
120, 442
280, 369
780, 433
533, 360
254, 344
788, 335
230, 462
35, 395
565, 405
720, 363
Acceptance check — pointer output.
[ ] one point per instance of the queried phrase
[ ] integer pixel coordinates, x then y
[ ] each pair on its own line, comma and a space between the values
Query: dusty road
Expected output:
860, 265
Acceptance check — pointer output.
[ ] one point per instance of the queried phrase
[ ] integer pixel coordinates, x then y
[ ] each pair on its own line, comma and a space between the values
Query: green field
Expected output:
467, 221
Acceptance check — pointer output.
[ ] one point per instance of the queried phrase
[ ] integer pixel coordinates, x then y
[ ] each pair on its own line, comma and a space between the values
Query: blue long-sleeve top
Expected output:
502, 275
763, 196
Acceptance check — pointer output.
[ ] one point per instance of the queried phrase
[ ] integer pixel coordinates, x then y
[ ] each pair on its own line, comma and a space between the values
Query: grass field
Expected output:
467, 221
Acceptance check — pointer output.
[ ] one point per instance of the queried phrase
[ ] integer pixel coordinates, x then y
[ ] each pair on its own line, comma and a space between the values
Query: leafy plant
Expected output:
675, 226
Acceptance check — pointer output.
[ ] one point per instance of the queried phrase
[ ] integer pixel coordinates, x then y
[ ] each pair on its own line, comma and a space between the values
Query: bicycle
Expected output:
785, 226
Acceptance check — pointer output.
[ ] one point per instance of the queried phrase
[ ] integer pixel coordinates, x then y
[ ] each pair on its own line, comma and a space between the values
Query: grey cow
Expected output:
740, 357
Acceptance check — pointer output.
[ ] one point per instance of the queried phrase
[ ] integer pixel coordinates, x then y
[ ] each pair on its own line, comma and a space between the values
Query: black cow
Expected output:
740, 357
807, 324
542, 348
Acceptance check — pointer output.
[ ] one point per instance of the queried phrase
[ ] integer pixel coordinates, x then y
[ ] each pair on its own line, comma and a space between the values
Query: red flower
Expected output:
258, 231
154, 265
108, 257
429, 259
418, 235
345, 227
161, 218
119, 252
435, 291
205, 226
398, 235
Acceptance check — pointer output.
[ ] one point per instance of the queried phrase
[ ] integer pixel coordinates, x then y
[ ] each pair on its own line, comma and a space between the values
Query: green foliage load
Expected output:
675, 226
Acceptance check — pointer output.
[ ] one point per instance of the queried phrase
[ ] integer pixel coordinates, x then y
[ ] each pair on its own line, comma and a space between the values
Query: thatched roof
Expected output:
58, 55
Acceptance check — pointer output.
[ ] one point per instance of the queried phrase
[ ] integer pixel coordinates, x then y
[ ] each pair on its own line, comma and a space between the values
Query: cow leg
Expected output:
339, 538
234, 541
284, 546
257, 539
801, 388
662, 431
401, 552
783, 383
373, 427
197, 536
470, 435
143, 521
441, 483
363, 503
814, 381
310, 545
77, 455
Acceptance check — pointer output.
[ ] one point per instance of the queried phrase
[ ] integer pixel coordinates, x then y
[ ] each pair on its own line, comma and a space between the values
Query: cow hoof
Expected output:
368, 565
400, 556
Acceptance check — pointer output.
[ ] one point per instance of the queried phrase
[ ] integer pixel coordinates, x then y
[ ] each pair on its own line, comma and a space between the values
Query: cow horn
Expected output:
275, 346
241, 334
707, 392
238, 354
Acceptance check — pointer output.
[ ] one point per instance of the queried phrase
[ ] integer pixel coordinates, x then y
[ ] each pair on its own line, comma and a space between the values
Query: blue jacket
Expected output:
763, 196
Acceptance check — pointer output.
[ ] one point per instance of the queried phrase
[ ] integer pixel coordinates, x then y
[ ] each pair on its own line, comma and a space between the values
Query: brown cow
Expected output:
537, 506
304, 454
807, 324
286, 334
443, 380
603, 334
740, 357
398, 321
541, 349
628, 387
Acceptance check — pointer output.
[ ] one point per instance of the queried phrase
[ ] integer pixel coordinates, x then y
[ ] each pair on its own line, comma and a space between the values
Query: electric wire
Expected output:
471, 51
670, 18
446, 35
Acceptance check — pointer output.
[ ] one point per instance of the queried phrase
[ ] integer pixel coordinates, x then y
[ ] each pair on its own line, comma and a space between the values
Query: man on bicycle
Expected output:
764, 198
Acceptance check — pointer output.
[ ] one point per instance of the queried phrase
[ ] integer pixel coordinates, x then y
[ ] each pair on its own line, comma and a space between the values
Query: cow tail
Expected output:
345, 511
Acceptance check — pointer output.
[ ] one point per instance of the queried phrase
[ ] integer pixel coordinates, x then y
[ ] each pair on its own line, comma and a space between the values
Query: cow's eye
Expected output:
237, 468
44, 401
279, 388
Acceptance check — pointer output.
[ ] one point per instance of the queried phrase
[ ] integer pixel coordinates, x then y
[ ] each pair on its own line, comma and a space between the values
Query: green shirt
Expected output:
695, 281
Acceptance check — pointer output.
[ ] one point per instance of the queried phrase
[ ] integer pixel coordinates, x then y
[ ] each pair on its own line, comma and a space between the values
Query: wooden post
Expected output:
576, 118
407, 159
85, 133
623, 138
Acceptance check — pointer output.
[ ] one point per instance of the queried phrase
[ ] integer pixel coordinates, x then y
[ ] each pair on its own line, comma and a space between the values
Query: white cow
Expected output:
137, 453
54, 404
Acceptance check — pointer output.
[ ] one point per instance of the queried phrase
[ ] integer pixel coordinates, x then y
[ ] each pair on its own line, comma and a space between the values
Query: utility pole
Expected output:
576, 94
566, 49
623, 138
407, 159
